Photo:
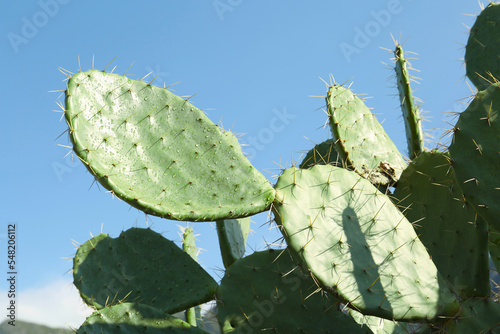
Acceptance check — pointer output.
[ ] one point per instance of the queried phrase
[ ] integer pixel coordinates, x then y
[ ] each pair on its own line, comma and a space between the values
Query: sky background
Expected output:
256, 64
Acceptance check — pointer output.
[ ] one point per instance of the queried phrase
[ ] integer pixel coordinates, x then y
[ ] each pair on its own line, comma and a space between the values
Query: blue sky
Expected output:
257, 66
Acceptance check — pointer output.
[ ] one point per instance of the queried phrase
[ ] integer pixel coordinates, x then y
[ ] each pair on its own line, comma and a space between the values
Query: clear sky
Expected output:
256, 64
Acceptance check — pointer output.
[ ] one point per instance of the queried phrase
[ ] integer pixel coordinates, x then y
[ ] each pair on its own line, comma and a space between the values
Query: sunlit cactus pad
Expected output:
483, 48
158, 152
140, 266
360, 139
358, 245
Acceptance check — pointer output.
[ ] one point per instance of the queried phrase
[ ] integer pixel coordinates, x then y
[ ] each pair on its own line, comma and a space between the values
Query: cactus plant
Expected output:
410, 258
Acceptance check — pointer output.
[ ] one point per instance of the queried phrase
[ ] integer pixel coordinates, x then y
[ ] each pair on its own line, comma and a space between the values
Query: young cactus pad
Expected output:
158, 152
358, 245
266, 291
474, 151
411, 112
140, 265
360, 139
454, 236
134, 318
483, 48
232, 235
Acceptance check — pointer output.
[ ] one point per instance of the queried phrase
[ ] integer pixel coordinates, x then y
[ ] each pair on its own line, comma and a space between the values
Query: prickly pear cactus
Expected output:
483, 48
267, 292
474, 150
158, 152
358, 245
411, 112
429, 197
413, 258
360, 140
140, 265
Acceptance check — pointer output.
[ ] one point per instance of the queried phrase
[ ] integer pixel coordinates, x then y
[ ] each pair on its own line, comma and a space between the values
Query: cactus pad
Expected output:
140, 266
322, 154
474, 150
358, 245
158, 152
483, 48
411, 112
266, 291
454, 236
360, 139
134, 318
232, 235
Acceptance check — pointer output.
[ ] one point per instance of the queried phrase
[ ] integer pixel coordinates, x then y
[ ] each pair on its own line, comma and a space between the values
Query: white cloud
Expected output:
56, 304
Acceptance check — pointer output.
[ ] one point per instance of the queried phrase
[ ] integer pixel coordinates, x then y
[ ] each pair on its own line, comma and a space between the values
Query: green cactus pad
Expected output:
411, 112
189, 244
266, 291
474, 150
483, 48
322, 154
233, 235
140, 266
358, 245
360, 139
134, 318
158, 152
454, 236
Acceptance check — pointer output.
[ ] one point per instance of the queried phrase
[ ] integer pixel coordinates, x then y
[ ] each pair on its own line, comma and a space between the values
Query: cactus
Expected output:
482, 50
266, 291
359, 138
411, 112
134, 318
322, 154
474, 151
448, 228
358, 245
374, 245
189, 246
232, 235
139, 266
146, 145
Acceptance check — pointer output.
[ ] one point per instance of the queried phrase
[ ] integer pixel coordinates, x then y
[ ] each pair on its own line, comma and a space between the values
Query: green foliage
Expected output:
418, 255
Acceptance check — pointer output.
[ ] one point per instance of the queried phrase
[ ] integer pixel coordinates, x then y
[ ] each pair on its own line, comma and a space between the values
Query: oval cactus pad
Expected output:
358, 245
360, 139
140, 266
158, 152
